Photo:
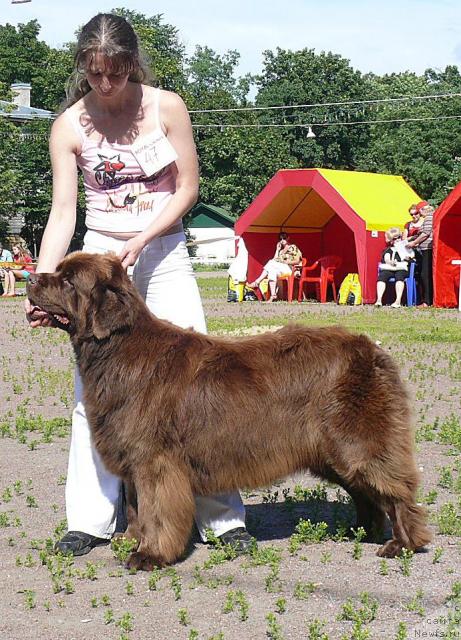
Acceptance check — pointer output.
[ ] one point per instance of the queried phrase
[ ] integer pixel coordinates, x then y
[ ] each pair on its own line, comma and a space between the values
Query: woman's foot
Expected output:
395, 305
77, 543
378, 303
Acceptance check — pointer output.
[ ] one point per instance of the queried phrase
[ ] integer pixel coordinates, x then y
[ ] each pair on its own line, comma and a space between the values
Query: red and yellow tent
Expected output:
327, 212
447, 247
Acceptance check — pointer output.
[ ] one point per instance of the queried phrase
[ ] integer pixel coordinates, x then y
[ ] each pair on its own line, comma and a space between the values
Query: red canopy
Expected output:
327, 212
447, 247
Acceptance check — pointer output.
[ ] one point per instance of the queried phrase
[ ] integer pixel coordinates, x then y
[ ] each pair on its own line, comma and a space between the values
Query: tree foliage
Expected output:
240, 150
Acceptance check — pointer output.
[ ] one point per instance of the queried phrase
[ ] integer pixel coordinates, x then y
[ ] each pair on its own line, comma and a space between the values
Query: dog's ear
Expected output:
113, 305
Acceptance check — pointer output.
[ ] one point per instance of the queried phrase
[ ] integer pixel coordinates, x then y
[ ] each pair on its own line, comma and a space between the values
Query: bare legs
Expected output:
257, 282
381, 288
9, 284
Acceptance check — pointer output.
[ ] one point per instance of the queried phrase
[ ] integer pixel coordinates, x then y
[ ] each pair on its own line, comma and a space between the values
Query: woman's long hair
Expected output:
113, 37
23, 251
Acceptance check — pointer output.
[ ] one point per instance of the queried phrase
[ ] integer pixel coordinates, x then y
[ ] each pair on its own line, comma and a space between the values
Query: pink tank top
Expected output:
126, 185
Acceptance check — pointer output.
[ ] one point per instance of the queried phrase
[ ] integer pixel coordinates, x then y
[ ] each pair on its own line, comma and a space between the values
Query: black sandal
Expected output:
77, 543
239, 539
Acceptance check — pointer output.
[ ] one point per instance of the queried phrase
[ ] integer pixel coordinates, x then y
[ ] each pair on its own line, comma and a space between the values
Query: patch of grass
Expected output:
123, 547
362, 612
449, 520
307, 533
416, 603
450, 432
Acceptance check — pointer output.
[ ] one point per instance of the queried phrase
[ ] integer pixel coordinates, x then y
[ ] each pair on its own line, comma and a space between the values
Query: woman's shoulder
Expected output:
64, 120
64, 135
171, 104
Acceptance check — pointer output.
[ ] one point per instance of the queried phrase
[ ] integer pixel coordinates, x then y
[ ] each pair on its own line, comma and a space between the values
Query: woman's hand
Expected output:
39, 318
131, 250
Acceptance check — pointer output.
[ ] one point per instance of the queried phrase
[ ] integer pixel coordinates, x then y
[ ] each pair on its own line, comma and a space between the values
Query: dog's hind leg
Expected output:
393, 489
409, 528
165, 513
369, 513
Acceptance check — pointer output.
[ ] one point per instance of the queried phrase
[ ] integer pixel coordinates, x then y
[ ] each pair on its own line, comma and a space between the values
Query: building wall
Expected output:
222, 250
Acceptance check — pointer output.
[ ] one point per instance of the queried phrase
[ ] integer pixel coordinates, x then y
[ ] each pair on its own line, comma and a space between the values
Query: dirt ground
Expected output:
326, 588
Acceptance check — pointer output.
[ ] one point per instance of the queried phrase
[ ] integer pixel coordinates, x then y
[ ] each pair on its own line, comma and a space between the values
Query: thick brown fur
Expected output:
177, 413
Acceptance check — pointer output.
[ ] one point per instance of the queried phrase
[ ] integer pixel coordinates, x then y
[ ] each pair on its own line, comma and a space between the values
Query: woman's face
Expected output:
105, 81
16, 250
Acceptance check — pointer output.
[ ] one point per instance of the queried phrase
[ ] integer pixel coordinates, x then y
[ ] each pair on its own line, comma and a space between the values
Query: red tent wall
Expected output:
338, 240
261, 248
361, 253
344, 235
374, 247
447, 247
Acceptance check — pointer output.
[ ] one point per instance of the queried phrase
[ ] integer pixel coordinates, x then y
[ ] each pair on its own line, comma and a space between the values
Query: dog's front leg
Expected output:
165, 513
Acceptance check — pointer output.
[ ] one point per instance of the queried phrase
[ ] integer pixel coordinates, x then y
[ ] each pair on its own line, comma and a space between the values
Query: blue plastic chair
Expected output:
410, 286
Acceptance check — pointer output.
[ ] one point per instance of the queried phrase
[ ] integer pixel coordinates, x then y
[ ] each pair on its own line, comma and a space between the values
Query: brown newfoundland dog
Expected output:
177, 413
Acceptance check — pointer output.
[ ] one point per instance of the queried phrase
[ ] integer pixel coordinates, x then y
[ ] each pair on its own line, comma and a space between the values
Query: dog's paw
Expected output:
391, 549
141, 561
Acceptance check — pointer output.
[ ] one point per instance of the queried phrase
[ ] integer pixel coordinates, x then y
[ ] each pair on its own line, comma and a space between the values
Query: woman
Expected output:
22, 257
134, 146
413, 226
392, 265
421, 244
286, 257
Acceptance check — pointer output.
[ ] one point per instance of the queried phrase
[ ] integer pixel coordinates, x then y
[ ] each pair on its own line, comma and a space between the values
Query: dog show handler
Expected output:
133, 143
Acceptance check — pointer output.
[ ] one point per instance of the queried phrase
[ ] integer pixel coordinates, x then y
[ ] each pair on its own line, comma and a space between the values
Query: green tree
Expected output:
237, 163
25, 58
32, 193
423, 151
305, 77
161, 44
212, 80
10, 176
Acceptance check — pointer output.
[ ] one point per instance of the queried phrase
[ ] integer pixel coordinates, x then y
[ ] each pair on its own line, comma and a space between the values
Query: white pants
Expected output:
164, 276
276, 269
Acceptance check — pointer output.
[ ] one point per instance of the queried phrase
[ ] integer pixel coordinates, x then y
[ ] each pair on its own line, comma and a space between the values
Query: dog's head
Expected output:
88, 295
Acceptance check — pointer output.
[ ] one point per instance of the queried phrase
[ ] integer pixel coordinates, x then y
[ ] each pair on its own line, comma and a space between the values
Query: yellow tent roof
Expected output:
381, 200
297, 201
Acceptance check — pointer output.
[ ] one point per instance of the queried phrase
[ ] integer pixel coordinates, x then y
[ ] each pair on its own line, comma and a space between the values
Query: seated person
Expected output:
20, 256
286, 256
5, 256
391, 265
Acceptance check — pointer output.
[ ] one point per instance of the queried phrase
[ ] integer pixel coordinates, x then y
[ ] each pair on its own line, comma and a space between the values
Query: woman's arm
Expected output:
278, 251
60, 227
174, 116
417, 240
61, 222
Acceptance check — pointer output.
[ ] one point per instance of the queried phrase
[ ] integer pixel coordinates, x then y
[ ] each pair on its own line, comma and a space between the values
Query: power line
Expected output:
320, 124
299, 125
330, 104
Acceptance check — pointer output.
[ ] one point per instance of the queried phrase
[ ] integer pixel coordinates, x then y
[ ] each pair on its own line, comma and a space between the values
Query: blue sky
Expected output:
380, 36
